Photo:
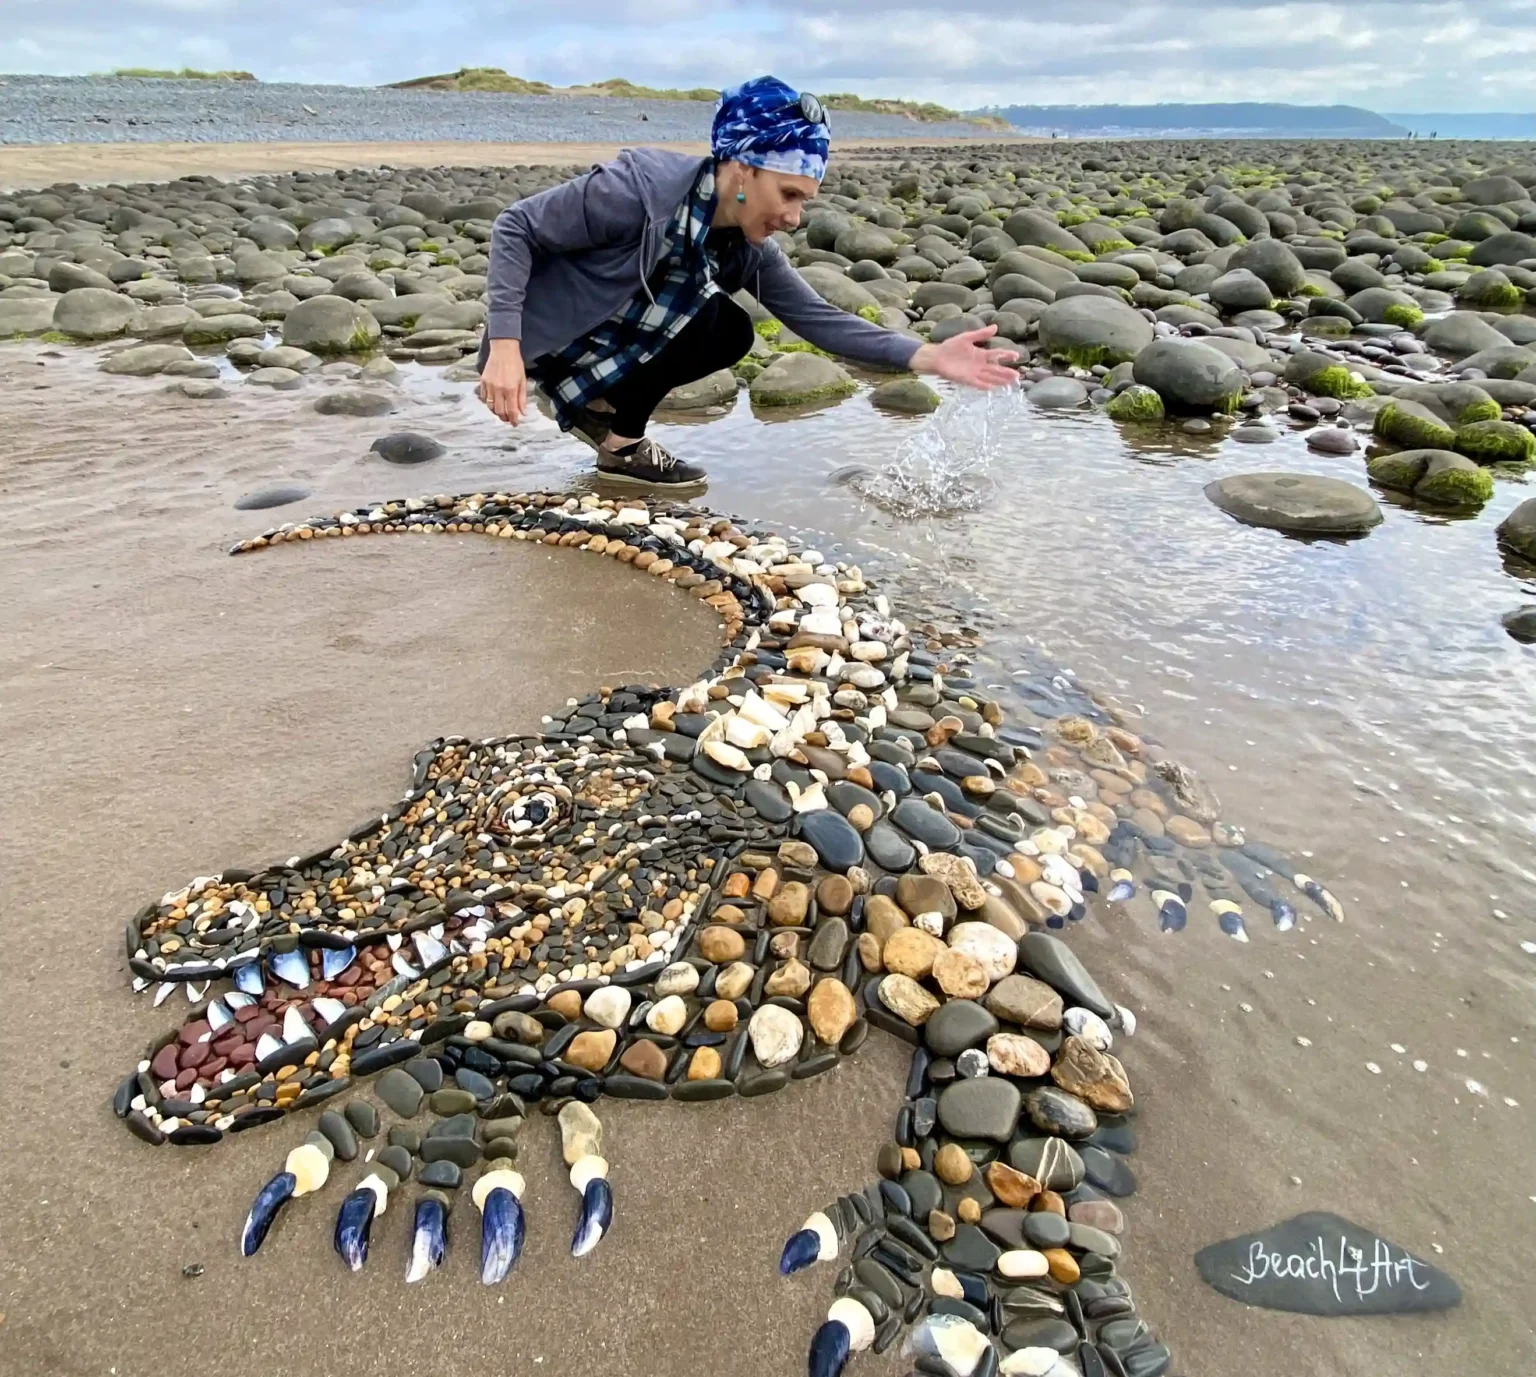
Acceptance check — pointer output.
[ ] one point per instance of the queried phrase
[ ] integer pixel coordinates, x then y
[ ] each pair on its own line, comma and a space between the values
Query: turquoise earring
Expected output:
742, 197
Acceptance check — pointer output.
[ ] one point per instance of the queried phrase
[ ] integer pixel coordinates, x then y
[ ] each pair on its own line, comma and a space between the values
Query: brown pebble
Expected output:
591, 1050
788, 907
720, 945
1063, 1266
705, 1063
952, 1165
720, 1017
831, 1010
1012, 1187
1049, 1203
567, 1003
644, 1058
736, 886
969, 1210
941, 1226
834, 895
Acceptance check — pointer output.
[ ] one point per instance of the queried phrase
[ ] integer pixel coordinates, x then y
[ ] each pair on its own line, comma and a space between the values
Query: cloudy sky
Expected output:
1400, 55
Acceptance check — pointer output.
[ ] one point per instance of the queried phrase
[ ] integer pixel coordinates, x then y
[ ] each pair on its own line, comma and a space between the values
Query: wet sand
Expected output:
168, 711
25, 166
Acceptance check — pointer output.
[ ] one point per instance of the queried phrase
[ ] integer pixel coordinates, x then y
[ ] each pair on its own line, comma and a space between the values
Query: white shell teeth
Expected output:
294, 1027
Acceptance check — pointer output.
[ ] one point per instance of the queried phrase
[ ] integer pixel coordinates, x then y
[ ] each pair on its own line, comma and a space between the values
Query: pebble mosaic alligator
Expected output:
686, 894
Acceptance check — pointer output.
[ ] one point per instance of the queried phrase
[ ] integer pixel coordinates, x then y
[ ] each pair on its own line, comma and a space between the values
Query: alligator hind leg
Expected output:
993, 1231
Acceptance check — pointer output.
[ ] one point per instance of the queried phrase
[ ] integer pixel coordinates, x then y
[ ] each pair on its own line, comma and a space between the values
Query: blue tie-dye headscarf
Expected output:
760, 123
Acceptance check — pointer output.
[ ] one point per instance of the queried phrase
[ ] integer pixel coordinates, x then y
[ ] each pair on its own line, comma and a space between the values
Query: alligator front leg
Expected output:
463, 1136
992, 1230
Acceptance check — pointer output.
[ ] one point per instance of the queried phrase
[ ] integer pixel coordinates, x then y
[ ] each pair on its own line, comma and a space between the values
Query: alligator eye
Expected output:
532, 814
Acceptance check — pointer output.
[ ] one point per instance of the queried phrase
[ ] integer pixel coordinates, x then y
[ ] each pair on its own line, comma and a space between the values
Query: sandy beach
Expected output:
167, 711
34, 165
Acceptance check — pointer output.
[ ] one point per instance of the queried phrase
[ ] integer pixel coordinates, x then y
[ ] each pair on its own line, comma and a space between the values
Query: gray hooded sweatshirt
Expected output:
566, 259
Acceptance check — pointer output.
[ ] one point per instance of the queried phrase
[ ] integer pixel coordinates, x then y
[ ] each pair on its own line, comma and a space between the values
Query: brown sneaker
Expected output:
645, 464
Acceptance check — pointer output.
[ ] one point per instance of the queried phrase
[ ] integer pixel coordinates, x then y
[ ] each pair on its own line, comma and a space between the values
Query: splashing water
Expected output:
944, 467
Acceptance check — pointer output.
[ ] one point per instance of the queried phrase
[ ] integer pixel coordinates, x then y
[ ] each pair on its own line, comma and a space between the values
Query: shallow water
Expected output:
1356, 704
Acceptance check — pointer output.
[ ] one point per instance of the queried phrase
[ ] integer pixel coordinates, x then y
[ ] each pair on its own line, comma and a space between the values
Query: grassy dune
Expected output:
185, 74
494, 79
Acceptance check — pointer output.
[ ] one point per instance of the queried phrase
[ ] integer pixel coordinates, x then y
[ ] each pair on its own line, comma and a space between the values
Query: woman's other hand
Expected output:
504, 382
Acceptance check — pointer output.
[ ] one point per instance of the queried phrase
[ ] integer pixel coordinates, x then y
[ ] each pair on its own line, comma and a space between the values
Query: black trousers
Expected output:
719, 335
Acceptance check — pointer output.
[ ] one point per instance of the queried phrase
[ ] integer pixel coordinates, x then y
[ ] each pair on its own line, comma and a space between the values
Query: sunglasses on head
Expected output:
812, 109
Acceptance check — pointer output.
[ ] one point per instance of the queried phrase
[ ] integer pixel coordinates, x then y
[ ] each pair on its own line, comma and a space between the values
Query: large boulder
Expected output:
26, 315
1186, 373
1489, 290
330, 325
1518, 529
715, 389
1460, 334
1450, 480
64, 277
1493, 191
206, 330
1501, 361
1413, 426
1033, 264
1300, 503
795, 379
1240, 290
1273, 262
1090, 330
1384, 306
1015, 287
832, 286
1323, 376
1502, 250
144, 360
93, 313
908, 396
327, 235
859, 242
1034, 227
1496, 442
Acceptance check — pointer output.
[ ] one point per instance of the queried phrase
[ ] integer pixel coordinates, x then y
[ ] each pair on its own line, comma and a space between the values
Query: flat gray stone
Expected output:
984, 1108
279, 495
400, 1091
1320, 1264
1299, 503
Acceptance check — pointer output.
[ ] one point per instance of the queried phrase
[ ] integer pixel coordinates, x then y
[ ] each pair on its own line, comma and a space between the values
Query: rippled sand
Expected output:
167, 711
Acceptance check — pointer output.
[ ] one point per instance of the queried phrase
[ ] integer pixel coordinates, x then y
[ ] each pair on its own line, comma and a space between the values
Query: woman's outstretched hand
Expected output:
965, 359
504, 383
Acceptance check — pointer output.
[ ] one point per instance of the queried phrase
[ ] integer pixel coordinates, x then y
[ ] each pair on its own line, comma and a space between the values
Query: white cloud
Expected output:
1386, 54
